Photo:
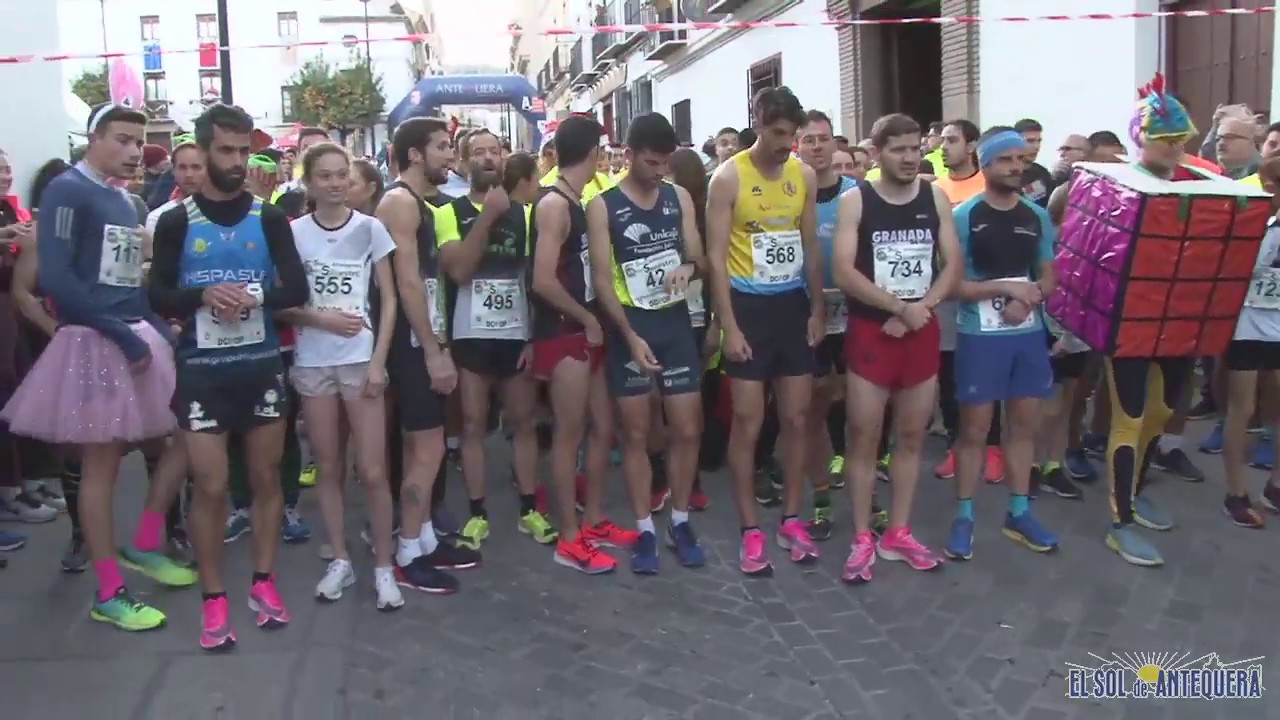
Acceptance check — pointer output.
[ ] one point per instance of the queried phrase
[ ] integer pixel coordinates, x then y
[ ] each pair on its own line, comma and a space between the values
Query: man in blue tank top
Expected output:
644, 247
224, 261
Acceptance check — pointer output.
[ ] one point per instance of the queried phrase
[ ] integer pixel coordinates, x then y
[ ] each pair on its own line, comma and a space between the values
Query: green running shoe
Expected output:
820, 525
158, 566
535, 524
835, 471
126, 613
474, 532
879, 518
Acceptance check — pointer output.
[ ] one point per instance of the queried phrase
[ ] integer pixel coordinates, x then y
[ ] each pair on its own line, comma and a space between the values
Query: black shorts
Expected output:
421, 408
776, 329
1253, 355
210, 401
493, 359
829, 357
672, 341
1069, 367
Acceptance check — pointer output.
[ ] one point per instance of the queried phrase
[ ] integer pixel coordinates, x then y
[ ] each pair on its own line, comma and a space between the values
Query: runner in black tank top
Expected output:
897, 257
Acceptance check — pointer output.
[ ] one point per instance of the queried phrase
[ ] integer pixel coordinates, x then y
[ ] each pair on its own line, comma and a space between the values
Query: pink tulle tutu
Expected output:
80, 390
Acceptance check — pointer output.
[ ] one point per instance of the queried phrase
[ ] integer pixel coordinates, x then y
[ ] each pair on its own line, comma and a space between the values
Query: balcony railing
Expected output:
632, 13
578, 70
660, 46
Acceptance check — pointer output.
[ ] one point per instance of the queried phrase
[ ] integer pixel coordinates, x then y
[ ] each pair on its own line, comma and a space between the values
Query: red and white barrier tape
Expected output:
514, 30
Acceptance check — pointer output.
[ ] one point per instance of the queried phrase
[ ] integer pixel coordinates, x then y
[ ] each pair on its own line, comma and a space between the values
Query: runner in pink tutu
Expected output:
107, 376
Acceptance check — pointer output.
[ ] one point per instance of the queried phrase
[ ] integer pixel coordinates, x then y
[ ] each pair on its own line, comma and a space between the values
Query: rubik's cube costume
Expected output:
1152, 274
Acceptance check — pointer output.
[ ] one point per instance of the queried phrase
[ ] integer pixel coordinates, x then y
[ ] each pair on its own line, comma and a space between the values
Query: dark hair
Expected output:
773, 104
506, 144
652, 132
1270, 169
687, 172
274, 154
725, 131
415, 134
173, 154
519, 166
841, 139
892, 126
968, 130
307, 132
103, 115
1027, 125
44, 176
747, 137
937, 126
709, 148
1106, 138
814, 116
855, 149
369, 173
1273, 127
231, 118
464, 145
315, 152
576, 137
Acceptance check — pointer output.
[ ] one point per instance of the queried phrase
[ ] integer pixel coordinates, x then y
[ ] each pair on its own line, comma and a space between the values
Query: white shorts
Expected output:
344, 380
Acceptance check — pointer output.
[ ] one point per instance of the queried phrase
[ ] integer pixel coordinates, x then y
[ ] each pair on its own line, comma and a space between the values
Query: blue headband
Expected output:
1002, 142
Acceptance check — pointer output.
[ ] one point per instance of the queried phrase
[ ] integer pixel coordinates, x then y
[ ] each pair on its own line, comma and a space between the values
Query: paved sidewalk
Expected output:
527, 640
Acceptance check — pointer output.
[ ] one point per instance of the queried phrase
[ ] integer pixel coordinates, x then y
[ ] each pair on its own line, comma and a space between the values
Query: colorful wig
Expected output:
1160, 116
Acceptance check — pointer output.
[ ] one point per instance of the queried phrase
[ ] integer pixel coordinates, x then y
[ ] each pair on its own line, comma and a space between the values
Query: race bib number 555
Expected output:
336, 285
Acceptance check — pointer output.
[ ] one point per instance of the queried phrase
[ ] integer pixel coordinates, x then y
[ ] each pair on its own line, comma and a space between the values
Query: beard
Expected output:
436, 176
227, 181
483, 178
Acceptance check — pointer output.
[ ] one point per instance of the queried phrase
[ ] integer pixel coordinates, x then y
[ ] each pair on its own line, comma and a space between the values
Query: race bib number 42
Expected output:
777, 257
647, 279
336, 286
904, 271
121, 263
497, 304
1264, 289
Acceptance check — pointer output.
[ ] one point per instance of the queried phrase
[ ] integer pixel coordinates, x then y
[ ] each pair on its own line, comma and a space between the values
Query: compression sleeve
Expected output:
167, 297
291, 288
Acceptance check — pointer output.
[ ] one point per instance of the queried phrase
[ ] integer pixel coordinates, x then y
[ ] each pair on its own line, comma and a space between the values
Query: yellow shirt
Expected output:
597, 185
765, 254
934, 158
1253, 180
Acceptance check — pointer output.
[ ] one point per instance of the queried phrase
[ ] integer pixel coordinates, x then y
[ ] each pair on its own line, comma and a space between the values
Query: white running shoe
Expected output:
337, 577
389, 597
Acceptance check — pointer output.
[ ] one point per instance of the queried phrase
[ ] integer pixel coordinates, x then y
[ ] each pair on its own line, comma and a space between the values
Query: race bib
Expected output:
904, 271
214, 330
777, 257
647, 279
1264, 289
589, 292
837, 311
991, 312
336, 286
697, 304
121, 262
497, 304
433, 312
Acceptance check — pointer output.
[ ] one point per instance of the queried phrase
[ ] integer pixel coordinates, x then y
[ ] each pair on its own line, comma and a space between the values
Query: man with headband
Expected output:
1007, 245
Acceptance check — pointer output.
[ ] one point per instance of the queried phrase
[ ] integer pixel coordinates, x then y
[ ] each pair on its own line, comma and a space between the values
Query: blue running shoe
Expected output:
1027, 530
1264, 453
1212, 445
1078, 466
295, 530
1151, 516
644, 555
10, 541
1094, 444
681, 539
960, 540
1134, 548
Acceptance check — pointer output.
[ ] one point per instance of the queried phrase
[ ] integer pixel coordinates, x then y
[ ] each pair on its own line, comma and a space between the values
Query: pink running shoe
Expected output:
794, 536
862, 555
215, 631
899, 544
266, 602
752, 559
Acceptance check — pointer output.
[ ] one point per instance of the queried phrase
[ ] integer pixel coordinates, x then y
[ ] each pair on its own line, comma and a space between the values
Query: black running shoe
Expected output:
766, 494
448, 556
1203, 410
1176, 463
1057, 482
420, 575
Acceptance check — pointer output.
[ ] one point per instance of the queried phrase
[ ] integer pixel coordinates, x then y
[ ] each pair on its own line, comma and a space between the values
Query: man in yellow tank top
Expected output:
763, 250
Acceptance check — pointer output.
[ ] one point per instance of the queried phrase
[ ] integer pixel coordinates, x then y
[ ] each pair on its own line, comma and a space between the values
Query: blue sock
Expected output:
1017, 505
964, 508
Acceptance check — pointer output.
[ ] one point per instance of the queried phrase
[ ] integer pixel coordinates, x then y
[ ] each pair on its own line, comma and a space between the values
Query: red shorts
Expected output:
548, 353
890, 362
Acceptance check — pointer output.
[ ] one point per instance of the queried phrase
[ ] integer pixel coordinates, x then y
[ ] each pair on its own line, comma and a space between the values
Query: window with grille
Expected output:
207, 28
287, 111
154, 89
210, 80
150, 27
287, 24
763, 75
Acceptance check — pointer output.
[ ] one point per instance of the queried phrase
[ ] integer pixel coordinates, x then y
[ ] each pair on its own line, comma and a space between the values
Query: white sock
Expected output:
453, 443
381, 572
407, 550
427, 540
645, 524
1169, 443
679, 516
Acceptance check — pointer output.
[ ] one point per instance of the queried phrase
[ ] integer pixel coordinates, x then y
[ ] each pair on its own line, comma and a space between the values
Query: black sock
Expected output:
748, 528
477, 508
658, 464
528, 503
261, 577
71, 491
212, 596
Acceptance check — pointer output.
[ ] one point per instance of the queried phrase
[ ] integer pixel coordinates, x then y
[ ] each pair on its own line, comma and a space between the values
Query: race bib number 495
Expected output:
121, 263
497, 304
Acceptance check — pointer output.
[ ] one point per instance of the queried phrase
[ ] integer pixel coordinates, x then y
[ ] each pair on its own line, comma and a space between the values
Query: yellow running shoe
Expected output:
307, 478
474, 532
535, 524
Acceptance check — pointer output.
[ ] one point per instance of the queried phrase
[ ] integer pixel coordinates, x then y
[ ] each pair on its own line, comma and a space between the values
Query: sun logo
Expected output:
199, 246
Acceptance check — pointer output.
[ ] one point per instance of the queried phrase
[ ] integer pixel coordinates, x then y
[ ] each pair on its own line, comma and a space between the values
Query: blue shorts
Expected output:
993, 368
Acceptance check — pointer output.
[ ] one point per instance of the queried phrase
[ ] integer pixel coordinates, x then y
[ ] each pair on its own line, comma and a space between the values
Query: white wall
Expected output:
716, 83
1275, 77
1027, 69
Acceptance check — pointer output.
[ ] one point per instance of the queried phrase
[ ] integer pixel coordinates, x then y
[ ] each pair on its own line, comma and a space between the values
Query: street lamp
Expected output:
368, 60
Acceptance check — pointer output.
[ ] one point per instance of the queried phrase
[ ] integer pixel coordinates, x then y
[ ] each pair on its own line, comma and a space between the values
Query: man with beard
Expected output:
419, 363
763, 250
896, 257
484, 249
224, 260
